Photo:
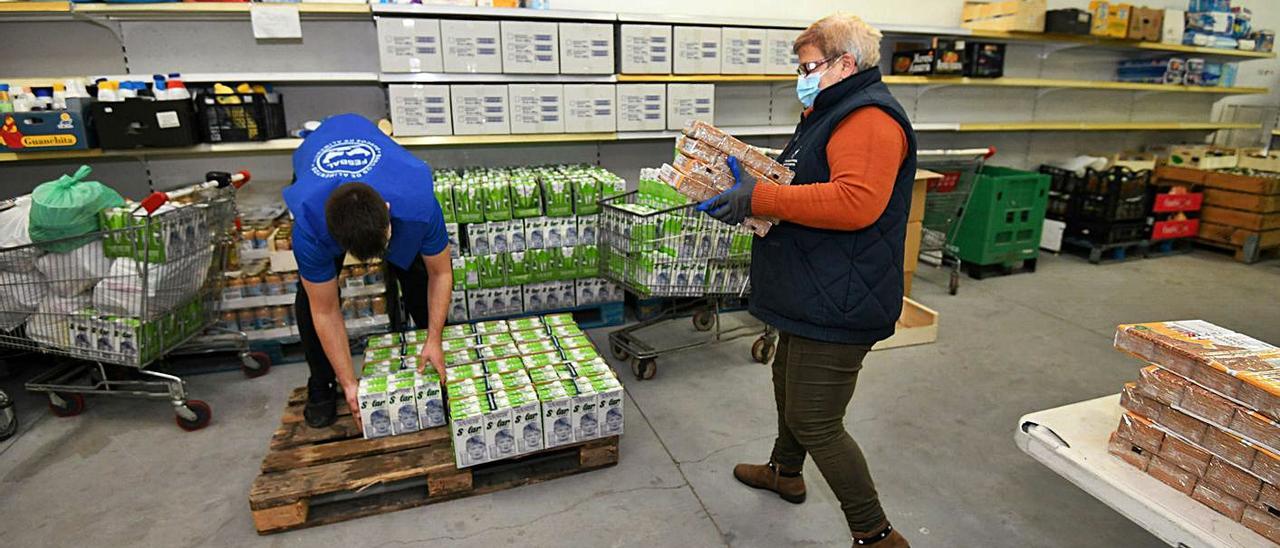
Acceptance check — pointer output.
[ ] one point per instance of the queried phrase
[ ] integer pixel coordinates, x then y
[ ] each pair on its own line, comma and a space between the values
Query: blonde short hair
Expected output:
841, 33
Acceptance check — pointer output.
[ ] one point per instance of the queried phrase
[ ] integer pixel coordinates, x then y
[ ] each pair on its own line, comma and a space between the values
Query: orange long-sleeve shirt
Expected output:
864, 153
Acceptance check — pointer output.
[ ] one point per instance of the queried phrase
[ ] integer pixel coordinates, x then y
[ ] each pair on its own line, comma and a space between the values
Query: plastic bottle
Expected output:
59, 97
107, 91
44, 99
6, 104
175, 90
76, 89
225, 95
159, 88
128, 90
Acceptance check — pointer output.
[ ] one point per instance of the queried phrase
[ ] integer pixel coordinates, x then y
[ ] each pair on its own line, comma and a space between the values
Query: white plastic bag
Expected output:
75, 271
49, 323
13, 234
168, 285
20, 293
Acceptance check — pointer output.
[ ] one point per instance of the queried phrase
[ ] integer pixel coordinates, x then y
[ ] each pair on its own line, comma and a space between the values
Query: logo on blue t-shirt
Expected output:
346, 158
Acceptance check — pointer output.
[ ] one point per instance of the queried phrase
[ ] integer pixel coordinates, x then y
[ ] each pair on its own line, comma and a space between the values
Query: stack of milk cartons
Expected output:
394, 398
524, 385
700, 172
1202, 417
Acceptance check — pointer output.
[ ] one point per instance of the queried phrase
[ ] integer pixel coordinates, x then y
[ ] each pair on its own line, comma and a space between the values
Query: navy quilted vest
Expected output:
832, 285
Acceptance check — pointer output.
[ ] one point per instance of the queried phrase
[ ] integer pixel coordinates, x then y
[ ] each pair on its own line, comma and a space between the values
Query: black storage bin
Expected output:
1103, 232
1068, 21
1117, 194
241, 117
984, 60
136, 123
1062, 186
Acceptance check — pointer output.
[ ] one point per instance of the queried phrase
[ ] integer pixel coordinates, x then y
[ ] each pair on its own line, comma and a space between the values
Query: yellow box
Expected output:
1110, 19
1012, 15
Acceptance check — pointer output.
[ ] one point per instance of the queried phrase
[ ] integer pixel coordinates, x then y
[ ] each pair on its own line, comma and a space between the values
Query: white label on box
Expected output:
536, 108
409, 45
471, 46
778, 57
690, 102
530, 48
744, 50
167, 119
586, 48
697, 50
642, 107
645, 49
417, 109
275, 22
589, 108
479, 109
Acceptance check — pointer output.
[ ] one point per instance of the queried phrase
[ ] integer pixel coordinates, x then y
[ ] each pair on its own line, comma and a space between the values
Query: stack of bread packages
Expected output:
1202, 417
699, 170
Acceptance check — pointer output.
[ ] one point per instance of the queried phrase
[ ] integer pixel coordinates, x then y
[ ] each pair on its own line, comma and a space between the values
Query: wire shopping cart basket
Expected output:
681, 253
123, 297
945, 202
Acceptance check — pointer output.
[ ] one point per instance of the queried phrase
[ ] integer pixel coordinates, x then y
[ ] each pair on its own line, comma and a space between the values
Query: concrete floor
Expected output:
936, 423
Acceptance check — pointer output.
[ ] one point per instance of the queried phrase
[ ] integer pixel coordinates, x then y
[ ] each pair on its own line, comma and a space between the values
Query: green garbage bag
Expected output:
66, 208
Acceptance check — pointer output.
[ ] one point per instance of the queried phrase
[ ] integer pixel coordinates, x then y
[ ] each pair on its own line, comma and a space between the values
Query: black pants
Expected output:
412, 285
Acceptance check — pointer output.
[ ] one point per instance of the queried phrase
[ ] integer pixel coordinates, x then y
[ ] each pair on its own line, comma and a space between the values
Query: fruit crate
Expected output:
1112, 195
1005, 217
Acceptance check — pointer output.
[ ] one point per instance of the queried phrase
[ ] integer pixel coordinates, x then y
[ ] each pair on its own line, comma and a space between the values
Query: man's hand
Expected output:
733, 205
351, 391
432, 353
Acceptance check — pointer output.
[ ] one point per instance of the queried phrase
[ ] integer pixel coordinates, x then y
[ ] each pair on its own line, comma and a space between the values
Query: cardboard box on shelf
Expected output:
536, 108
530, 47
1173, 27
743, 50
641, 107
409, 45
586, 48
1146, 24
589, 108
1011, 15
420, 110
779, 58
479, 109
696, 50
471, 46
1205, 157
688, 102
645, 49
1110, 19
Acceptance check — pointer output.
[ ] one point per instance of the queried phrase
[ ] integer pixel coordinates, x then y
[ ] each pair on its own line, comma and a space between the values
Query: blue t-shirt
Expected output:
347, 148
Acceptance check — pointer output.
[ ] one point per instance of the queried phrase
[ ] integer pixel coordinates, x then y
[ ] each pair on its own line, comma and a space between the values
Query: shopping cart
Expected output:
125, 297
675, 252
945, 203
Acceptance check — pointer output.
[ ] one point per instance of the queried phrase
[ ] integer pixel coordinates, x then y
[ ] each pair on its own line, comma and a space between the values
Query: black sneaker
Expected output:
322, 407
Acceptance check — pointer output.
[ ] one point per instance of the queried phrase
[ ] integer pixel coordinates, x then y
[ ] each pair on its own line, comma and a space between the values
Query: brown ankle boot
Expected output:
769, 478
884, 536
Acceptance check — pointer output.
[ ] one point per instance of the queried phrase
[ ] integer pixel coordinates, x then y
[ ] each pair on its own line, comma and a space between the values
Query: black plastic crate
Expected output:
1068, 21
135, 123
241, 117
1104, 232
1113, 195
1062, 185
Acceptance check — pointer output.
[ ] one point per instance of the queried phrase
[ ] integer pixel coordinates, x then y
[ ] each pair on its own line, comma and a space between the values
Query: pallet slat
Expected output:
274, 489
308, 455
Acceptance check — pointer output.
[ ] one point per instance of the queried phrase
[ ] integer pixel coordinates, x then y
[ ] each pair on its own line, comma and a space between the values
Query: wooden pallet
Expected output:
1107, 253
1249, 246
316, 476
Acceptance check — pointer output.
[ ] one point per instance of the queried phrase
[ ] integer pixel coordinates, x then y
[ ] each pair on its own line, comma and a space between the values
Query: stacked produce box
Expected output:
1202, 418
1241, 203
525, 238
511, 387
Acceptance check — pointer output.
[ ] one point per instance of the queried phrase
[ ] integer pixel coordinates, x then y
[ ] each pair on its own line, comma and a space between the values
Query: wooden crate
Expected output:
1253, 158
918, 324
1242, 183
1247, 245
318, 476
1256, 203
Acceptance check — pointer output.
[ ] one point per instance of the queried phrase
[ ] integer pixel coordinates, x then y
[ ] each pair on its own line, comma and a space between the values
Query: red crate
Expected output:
1169, 203
1168, 230
946, 183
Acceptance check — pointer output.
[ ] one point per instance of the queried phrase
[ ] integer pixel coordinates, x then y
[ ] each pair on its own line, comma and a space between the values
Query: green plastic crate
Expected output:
1004, 218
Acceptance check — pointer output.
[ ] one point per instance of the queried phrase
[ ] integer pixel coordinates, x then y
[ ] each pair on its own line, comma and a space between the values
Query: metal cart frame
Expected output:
701, 258
195, 240
945, 205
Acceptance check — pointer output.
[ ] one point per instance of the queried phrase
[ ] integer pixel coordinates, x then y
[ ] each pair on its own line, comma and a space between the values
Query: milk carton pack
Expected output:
526, 419
479, 109
564, 294
478, 238
508, 381
497, 207
459, 331
460, 274
515, 229
381, 353
536, 108
609, 407
455, 243
641, 107
530, 47
402, 403
557, 414
454, 345
498, 432
536, 347
379, 368
535, 229
409, 45
466, 422
586, 48
539, 360
744, 50
384, 339
499, 351
525, 324
589, 108
558, 320
461, 357
696, 50
557, 197
462, 372
526, 199
375, 414
417, 110
584, 353
501, 337
492, 326
429, 399
574, 341
778, 57
645, 49
471, 46
502, 366
686, 102
585, 401
465, 388
458, 307
529, 335
543, 374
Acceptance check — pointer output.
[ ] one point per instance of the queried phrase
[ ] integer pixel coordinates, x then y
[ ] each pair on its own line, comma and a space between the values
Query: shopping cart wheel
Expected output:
704, 320
763, 349
255, 364
954, 286
644, 369
66, 405
619, 352
202, 415
8, 417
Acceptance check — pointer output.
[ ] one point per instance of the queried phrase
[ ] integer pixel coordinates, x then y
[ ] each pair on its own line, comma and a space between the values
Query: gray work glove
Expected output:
733, 205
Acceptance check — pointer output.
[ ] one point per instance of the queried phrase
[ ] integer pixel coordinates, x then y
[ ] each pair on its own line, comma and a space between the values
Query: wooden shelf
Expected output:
1095, 41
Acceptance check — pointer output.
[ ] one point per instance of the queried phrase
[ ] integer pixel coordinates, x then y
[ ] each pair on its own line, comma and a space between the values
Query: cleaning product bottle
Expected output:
176, 90
107, 92
75, 89
6, 104
23, 100
159, 89
44, 99
59, 97
225, 95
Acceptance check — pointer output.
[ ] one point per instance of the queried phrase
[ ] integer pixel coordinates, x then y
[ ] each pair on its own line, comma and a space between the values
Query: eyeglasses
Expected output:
805, 69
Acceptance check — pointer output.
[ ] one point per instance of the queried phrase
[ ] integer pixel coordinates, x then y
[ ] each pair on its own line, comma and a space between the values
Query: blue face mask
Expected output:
807, 88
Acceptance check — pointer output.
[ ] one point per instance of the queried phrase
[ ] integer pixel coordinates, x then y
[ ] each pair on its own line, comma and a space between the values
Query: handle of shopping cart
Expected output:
213, 179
